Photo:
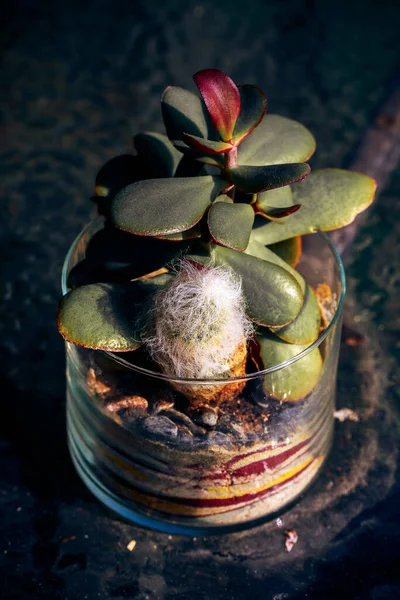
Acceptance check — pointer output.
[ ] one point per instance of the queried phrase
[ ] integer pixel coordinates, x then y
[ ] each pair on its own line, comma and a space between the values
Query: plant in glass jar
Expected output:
202, 329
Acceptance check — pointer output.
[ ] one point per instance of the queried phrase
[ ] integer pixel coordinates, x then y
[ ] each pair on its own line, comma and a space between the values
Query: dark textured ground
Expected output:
77, 79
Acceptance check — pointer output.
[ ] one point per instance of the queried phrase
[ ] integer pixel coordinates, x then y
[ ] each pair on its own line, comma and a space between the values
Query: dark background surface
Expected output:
77, 79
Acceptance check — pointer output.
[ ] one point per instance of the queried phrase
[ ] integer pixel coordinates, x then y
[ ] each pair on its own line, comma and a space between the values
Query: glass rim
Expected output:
222, 380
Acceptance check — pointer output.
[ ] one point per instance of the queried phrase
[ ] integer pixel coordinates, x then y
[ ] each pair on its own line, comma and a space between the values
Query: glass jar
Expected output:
147, 454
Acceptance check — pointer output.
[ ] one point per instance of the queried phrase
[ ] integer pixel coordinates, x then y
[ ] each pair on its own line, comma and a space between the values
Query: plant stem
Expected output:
231, 159
231, 163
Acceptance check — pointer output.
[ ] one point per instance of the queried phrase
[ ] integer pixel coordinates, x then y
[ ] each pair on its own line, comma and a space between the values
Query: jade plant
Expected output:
221, 203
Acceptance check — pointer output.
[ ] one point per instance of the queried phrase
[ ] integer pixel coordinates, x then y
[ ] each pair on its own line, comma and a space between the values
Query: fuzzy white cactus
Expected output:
198, 326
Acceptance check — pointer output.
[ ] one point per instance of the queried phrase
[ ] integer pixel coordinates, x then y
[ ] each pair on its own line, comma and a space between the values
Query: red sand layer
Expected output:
235, 494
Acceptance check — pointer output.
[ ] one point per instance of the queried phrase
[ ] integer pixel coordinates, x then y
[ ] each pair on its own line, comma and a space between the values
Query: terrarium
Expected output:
202, 313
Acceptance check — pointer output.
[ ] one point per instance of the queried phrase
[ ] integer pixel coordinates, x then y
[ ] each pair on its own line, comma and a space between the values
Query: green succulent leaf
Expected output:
259, 251
278, 198
305, 327
119, 255
273, 296
206, 146
159, 157
222, 99
253, 105
253, 179
216, 160
275, 214
188, 234
162, 206
84, 273
289, 250
230, 224
102, 316
116, 174
329, 198
223, 198
189, 167
295, 381
184, 111
276, 140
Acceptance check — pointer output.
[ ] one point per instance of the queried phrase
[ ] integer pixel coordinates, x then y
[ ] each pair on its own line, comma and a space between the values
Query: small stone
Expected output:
95, 384
160, 426
163, 404
264, 401
238, 430
185, 435
228, 425
205, 416
346, 414
130, 416
179, 417
136, 402
353, 338
219, 439
291, 539
131, 545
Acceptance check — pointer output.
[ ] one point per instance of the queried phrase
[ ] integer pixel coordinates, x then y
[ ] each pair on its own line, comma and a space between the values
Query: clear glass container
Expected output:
146, 453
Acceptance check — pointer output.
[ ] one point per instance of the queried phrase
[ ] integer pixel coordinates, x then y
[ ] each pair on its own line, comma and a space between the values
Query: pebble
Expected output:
218, 438
131, 545
185, 435
179, 417
128, 402
95, 384
161, 426
205, 416
161, 405
230, 426
264, 401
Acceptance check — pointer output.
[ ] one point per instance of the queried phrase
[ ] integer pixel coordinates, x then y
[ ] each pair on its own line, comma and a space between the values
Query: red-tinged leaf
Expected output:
274, 214
222, 99
277, 140
253, 180
230, 224
158, 156
253, 105
155, 207
106, 316
206, 146
184, 111
217, 160
101, 316
189, 234
329, 198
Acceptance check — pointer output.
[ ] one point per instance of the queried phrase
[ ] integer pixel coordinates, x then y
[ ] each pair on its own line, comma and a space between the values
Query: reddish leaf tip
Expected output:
165, 91
222, 99
204, 146
276, 213
253, 112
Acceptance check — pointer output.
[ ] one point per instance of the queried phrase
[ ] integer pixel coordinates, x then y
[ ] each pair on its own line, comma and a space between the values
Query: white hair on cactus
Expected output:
198, 322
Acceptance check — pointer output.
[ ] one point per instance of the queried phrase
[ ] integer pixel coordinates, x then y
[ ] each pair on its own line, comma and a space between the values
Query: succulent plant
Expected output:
227, 186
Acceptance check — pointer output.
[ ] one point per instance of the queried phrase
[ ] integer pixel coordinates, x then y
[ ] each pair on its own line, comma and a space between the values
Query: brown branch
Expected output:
377, 156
